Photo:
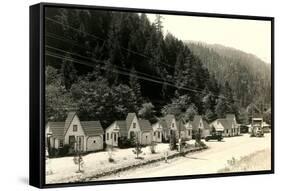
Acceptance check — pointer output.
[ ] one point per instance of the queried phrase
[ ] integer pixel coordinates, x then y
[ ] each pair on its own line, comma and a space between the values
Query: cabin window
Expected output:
158, 134
154, 133
94, 141
60, 143
111, 135
74, 128
107, 136
134, 125
173, 125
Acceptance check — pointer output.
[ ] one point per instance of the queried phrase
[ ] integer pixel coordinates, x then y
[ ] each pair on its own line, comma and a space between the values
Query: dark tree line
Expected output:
105, 64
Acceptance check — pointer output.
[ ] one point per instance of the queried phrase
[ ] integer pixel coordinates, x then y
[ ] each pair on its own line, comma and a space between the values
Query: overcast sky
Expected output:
250, 36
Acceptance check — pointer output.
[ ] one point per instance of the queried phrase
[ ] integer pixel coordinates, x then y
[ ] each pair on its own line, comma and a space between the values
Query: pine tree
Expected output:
159, 23
68, 71
135, 85
221, 107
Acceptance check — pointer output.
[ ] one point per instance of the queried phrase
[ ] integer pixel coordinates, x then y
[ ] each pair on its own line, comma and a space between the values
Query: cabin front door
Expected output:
72, 142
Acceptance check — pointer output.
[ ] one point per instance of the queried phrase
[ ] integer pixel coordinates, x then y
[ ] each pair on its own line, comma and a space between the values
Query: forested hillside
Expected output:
105, 64
248, 76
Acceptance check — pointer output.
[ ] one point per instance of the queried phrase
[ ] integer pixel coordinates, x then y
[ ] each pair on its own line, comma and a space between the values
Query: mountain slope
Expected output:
249, 76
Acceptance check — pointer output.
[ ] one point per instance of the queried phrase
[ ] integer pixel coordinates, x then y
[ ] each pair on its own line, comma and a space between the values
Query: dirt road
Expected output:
206, 162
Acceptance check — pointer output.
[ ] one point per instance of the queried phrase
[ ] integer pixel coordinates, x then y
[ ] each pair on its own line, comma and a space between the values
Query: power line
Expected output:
48, 53
100, 61
58, 37
102, 39
63, 39
121, 68
137, 53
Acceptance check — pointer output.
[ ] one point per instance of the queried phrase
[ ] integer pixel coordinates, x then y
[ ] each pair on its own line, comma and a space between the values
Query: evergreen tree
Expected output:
68, 71
159, 23
135, 86
221, 107
191, 112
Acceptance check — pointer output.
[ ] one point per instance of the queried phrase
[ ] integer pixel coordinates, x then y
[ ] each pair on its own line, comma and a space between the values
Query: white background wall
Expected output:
14, 81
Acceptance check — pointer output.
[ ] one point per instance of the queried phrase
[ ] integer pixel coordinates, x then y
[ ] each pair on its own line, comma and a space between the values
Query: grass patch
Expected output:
260, 160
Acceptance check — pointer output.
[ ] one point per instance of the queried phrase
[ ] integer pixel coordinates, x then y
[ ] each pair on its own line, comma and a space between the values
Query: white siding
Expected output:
94, 143
52, 142
157, 132
110, 132
48, 130
136, 130
56, 143
79, 132
146, 138
186, 133
188, 128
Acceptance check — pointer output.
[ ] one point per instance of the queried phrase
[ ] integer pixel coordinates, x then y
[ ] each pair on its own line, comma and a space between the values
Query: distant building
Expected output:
157, 132
227, 126
132, 127
84, 136
199, 125
169, 127
185, 131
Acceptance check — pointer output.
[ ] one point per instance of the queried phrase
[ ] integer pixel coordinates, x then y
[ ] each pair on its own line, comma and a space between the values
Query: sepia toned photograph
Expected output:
137, 94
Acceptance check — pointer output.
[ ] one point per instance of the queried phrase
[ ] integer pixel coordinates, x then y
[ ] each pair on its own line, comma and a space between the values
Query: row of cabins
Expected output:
89, 136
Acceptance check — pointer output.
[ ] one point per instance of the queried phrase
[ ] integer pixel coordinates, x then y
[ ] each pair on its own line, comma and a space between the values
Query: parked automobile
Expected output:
214, 136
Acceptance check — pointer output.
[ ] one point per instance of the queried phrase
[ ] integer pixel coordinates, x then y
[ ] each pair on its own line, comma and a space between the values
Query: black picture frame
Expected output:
37, 92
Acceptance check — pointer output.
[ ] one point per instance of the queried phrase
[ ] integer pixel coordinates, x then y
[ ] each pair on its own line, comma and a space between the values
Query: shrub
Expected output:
173, 142
200, 144
110, 159
165, 140
182, 144
53, 152
109, 149
61, 152
153, 147
188, 145
232, 161
64, 150
124, 142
